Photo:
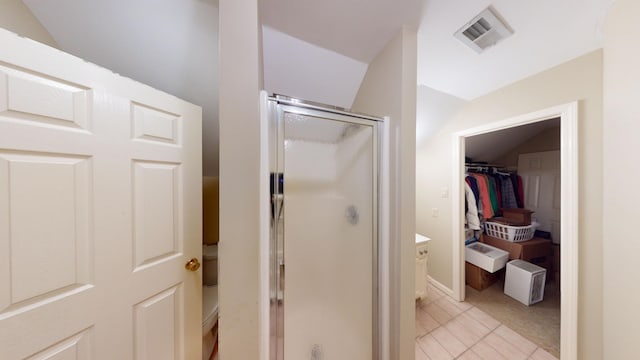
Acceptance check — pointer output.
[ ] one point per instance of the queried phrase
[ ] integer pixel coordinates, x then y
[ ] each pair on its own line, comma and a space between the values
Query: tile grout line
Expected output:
424, 352
482, 338
493, 347
469, 347
445, 349
493, 330
434, 301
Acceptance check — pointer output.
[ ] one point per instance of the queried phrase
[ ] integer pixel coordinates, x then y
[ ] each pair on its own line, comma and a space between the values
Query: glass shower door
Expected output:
326, 235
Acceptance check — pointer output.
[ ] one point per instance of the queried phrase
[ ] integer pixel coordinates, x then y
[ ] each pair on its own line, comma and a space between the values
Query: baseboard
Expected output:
439, 286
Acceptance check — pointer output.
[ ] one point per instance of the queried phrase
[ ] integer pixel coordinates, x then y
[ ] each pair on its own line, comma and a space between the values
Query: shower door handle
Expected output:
277, 201
281, 274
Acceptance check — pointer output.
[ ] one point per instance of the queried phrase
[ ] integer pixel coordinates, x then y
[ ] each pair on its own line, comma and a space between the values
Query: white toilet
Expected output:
209, 298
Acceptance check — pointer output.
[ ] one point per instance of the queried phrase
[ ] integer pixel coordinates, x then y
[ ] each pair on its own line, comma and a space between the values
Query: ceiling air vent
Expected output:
484, 30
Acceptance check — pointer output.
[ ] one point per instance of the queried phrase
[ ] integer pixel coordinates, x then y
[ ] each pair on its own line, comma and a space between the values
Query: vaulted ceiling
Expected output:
358, 29
546, 33
319, 50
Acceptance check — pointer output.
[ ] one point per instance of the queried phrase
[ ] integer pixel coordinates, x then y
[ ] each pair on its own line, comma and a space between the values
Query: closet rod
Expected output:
500, 170
483, 164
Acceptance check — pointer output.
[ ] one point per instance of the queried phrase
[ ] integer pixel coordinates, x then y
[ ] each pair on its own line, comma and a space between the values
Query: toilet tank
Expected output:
210, 210
210, 265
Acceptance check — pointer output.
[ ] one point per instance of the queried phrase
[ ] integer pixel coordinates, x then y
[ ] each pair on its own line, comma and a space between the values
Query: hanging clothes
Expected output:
520, 191
485, 197
498, 190
494, 189
493, 194
516, 190
473, 221
509, 199
473, 183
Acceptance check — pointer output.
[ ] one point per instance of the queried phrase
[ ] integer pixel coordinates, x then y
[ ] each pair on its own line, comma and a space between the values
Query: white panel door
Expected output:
541, 180
100, 208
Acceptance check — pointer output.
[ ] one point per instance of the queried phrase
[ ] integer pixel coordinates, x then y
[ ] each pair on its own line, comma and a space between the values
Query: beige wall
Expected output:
547, 140
238, 249
16, 16
621, 172
389, 89
579, 79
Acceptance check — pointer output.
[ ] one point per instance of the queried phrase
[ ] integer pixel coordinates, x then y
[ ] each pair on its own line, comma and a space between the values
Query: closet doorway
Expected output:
568, 229
521, 165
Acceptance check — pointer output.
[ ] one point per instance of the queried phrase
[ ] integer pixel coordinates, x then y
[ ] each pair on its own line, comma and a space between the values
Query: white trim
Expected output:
264, 228
384, 299
568, 114
569, 230
438, 285
456, 217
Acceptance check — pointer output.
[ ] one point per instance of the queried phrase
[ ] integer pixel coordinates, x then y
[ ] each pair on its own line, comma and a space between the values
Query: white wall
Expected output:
579, 79
434, 108
238, 249
16, 17
621, 171
389, 89
306, 71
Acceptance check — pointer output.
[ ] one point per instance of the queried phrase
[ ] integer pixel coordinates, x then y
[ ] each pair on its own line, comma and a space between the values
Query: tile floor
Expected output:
447, 329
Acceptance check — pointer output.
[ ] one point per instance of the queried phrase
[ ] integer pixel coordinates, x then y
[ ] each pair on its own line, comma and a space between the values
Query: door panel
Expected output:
100, 208
76, 347
155, 125
156, 211
541, 180
157, 322
39, 267
531, 185
47, 292
37, 98
329, 241
556, 192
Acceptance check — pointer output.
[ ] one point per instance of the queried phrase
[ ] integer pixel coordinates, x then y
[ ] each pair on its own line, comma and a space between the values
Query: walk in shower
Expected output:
324, 185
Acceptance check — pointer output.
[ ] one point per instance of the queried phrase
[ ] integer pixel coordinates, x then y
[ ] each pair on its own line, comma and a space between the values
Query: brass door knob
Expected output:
192, 265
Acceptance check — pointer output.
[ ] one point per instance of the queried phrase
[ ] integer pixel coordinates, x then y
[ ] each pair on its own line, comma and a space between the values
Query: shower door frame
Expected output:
277, 106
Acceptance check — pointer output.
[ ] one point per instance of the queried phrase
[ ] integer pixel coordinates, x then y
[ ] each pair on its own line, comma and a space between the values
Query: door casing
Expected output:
569, 255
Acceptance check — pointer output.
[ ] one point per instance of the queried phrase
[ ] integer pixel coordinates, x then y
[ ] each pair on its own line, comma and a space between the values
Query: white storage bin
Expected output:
510, 233
525, 281
486, 256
